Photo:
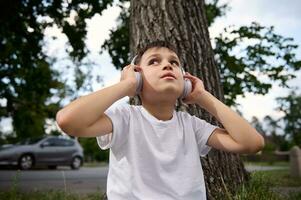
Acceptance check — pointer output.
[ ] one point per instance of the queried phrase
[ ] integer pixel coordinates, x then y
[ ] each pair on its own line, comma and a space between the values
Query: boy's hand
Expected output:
197, 89
128, 75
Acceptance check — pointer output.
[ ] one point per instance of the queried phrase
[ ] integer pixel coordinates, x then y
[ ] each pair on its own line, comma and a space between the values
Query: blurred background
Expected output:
52, 52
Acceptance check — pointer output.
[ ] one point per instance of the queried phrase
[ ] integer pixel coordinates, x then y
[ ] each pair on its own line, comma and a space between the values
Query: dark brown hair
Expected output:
158, 44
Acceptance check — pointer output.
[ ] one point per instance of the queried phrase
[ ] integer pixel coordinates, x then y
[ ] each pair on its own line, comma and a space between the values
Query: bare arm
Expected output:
85, 116
238, 136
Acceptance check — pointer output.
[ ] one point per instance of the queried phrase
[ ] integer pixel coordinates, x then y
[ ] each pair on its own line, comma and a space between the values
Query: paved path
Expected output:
85, 180
252, 168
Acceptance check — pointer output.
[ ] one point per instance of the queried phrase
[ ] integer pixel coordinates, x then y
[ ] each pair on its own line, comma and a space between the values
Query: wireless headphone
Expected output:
187, 83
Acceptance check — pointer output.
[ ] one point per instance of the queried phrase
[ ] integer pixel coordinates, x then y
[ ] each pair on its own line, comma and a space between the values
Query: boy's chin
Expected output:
170, 92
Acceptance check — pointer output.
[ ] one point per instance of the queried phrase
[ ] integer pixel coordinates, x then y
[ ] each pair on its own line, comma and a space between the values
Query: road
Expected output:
85, 180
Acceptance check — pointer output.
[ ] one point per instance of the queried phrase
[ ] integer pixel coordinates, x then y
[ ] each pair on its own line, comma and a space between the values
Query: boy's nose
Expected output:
167, 66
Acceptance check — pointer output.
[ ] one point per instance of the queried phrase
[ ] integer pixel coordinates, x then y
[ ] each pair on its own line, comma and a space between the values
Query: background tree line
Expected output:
29, 82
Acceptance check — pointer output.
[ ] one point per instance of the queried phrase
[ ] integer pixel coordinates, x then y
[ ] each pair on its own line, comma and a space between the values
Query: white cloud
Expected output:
99, 27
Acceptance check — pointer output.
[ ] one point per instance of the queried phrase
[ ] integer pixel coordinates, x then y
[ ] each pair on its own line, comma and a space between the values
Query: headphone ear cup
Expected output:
138, 82
138, 77
187, 88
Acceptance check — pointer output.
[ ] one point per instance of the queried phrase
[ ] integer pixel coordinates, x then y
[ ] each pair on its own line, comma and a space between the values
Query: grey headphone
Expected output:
187, 83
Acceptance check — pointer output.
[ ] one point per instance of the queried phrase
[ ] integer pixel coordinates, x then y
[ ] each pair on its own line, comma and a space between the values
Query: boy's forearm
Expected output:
239, 129
87, 109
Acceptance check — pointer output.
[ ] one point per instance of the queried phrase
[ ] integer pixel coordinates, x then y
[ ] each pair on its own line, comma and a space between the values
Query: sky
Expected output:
283, 15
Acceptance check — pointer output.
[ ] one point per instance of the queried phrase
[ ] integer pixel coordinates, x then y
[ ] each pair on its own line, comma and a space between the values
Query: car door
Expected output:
47, 152
66, 150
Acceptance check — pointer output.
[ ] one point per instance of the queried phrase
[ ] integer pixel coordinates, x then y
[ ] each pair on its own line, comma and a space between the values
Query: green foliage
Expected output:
246, 52
92, 151
27, 80
214, 10
291, 124
241, 54
257, 125
291, 106
272, 133
269, 148
118, 45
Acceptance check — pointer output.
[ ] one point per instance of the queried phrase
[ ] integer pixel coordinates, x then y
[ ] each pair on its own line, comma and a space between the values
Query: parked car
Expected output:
49, 150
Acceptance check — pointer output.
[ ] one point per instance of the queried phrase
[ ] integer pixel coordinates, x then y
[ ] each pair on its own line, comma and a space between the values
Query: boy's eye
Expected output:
174, 62
153, 61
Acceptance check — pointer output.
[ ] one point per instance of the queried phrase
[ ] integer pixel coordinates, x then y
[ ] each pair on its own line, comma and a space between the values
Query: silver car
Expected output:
50, 151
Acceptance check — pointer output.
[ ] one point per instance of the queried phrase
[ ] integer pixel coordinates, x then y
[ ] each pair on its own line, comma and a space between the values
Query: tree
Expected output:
262, 52
257, 125
27, 81
187, 28
273, 131
291, 106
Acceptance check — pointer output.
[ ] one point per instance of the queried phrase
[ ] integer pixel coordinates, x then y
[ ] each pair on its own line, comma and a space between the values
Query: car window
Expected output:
52, 142
30, 141
59, 142
68, 142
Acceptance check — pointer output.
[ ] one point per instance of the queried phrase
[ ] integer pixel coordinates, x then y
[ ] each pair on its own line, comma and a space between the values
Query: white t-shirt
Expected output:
155, 159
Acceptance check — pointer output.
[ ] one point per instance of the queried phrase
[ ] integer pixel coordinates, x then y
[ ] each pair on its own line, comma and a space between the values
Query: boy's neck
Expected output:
161, 111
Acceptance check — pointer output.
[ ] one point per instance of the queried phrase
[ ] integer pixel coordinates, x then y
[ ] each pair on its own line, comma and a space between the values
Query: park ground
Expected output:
272, 182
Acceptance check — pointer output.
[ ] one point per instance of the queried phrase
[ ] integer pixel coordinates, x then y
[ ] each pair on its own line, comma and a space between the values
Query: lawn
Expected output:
278, 163
271, 185
95, 164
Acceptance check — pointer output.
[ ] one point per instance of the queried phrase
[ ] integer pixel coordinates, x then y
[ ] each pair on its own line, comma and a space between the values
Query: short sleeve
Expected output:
203, 130
119, 116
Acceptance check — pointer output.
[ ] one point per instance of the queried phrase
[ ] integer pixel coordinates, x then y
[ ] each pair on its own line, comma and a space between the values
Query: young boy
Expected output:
154, 150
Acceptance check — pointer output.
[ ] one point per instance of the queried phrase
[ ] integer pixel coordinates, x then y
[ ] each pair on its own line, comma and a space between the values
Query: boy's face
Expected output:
161, 72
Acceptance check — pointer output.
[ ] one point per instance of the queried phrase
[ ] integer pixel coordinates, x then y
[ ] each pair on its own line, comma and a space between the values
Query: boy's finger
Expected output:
189, 76
127, 66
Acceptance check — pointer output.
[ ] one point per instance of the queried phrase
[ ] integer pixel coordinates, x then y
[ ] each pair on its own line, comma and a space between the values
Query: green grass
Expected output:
15, 194
263, 185
95, 164
278, 163
279, 178
49, 195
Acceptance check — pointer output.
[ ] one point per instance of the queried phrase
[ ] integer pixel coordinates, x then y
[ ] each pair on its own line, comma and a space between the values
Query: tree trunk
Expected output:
184, 24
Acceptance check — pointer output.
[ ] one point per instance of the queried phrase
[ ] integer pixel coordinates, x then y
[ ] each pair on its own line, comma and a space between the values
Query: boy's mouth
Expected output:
169, 75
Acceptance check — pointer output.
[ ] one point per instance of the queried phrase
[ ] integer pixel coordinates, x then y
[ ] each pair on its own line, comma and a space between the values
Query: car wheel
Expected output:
76, 163
26, 162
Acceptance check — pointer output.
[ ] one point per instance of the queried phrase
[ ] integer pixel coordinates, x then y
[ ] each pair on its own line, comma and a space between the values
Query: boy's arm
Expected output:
238, 136
85, 116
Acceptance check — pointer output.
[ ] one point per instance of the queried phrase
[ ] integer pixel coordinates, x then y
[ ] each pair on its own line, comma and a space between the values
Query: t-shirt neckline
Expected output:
156, 121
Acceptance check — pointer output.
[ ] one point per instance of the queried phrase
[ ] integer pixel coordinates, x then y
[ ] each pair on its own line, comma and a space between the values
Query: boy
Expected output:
154, 150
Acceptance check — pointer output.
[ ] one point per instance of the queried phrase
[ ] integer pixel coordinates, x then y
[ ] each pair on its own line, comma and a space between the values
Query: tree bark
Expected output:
184, 24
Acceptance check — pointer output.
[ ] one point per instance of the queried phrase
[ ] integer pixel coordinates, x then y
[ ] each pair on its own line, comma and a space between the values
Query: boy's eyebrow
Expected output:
156, 54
